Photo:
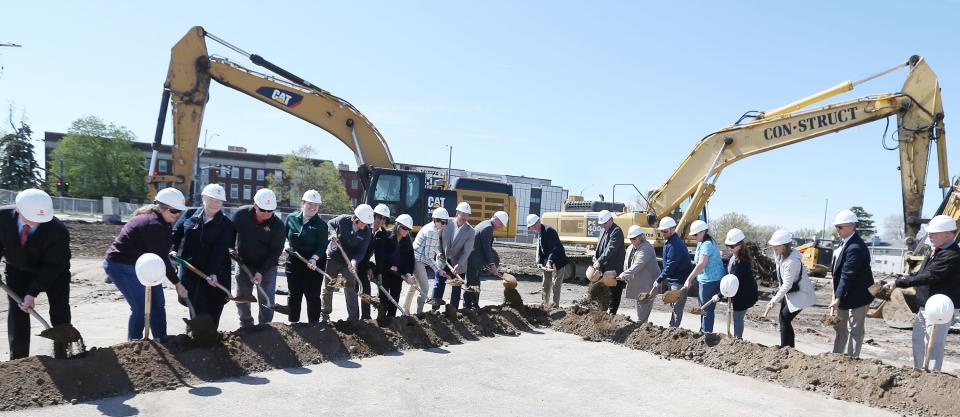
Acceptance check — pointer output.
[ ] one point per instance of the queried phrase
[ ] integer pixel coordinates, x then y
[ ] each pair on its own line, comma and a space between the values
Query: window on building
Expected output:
247, 174
235, 172
223, 172
278, 175
246, 192
354, 184
260, 176
234, 191
162, 166
353, 201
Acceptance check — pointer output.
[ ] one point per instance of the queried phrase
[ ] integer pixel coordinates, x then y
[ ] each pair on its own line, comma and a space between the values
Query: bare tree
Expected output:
893, 228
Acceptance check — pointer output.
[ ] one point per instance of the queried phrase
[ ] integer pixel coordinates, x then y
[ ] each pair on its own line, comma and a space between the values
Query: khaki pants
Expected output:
420, 274
850, 342
552, 283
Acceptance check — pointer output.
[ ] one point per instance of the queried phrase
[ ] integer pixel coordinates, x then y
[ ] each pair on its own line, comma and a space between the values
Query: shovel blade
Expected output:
280, 308
62, 333
244, 299
202, 329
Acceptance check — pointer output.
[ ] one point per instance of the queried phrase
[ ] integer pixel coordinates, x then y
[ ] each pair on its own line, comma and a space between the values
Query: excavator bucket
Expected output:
901, 310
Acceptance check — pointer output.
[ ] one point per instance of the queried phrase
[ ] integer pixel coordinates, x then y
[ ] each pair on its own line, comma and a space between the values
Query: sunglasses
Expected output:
174, 211
264, 211
402, 227
443, 222
840, 226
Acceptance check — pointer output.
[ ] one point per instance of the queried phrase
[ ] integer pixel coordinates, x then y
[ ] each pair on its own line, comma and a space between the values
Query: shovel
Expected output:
282, 309
672, 296
332, 282
830, 319
382, 292
877, 313
699, 310
61, 334
459, 280
245, 299
201, 328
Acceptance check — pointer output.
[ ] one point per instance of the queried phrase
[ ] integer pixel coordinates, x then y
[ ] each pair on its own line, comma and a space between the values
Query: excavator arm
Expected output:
187, 90
918, 110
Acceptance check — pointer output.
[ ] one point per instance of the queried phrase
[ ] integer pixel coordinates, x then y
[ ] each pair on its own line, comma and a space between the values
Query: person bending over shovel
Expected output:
260, 237
36, 246
482, 257
349, 235
205, 236
610, 255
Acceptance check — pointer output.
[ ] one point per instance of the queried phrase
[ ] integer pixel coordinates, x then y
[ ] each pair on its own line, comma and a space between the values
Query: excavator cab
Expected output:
402, 191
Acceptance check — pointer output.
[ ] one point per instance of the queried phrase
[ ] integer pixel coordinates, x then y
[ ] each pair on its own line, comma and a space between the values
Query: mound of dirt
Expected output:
91, 240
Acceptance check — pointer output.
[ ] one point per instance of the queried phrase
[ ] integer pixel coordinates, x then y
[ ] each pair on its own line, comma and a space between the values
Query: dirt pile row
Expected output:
91, 240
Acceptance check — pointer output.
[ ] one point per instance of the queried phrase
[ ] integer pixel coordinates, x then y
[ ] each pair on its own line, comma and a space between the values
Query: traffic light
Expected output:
63, 188
66, 189
60, 187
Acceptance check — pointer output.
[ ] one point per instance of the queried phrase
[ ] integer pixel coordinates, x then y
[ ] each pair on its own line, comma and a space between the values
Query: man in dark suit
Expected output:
552, 256
482, 257
610, 255
36, 246
852, 278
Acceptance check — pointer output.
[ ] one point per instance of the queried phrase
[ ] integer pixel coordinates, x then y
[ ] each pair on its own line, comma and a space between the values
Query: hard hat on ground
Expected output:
941, 223
939, 309
440, 213
666, 223
405, 220
214, 191
365, 213
150, 269
503, 217
697, 226
729, 285
532, 219
464, 207
35, 205
780, 237
382, 210
171, 197
734, 236
634, 231
604, 216
265, 199
845, 217
312, 196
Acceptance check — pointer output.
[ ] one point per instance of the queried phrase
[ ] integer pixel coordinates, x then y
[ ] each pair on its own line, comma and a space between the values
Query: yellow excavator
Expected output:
186, 91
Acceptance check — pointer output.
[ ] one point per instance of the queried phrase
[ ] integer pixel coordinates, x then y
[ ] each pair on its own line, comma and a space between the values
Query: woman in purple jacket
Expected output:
149, 231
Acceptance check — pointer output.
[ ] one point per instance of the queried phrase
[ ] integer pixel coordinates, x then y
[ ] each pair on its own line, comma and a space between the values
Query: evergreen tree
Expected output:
18, 167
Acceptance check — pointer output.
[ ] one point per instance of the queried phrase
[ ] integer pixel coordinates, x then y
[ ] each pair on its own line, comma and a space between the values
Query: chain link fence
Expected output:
66, 206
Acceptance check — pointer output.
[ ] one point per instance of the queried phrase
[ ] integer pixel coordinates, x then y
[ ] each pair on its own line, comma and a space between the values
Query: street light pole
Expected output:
200, 152
449, 165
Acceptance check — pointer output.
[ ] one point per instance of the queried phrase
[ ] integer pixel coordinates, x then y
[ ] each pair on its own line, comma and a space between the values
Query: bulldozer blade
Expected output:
898, 312
62, 333
877, 313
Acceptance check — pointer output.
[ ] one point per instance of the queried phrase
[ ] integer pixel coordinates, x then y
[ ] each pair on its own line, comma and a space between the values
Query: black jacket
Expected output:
482, 254
205, 245
940, 274
381, 249
43, 261
402, 256
144, 233
747, 294
259, 244
852, 275
550, 248
610, 250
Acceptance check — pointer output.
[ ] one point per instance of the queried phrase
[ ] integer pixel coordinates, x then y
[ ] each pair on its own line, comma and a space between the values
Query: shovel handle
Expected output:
148, 296
346, 262
246, 271
200, 273
933, 340
19, 300
306, 262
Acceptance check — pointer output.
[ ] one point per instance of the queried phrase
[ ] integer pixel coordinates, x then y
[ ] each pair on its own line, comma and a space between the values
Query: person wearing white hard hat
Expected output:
708, 271
351, 234
609, 255
676, 267
640, 271
377, 249
456, 244
795, 291
852, 278
395, 260
260, 239
204, 236
482, 257
939, 274
552, 257
148, 231
36, 247
741, 266
308, 236
426, 246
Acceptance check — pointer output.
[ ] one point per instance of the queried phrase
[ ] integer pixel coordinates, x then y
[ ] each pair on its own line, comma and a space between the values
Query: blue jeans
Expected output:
440, 284
125, 278
707, 291
738, 316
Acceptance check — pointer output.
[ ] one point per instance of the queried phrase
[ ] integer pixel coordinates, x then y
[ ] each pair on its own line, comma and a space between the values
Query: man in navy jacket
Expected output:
852, 278
676, 266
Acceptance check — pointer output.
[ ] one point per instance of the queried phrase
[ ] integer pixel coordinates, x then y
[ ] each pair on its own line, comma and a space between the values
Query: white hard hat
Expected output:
214, 191
532, 219
405, 220
666, 223
382, 210
35, 205
939, 309
265, 199
634, 231
440, 213
171, 197
734, 236
604, 216
312, 196
845, 217
365, 213
150, 269
697, 226
503, 217
780, 237
941, 223
729, 285
464, 207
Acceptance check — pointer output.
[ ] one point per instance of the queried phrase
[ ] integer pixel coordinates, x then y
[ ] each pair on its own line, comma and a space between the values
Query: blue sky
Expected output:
587, 94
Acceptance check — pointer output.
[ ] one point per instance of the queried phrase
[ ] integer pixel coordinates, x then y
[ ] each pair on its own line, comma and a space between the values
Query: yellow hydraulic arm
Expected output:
187, 90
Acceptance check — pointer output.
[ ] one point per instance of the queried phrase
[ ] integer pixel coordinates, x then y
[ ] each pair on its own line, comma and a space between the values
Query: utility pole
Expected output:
449, 164
823, 228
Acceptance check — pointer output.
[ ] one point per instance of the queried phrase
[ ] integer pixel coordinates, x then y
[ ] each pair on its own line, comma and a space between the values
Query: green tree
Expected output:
864, 226
755, 233
302, 172
99, 160
18, 167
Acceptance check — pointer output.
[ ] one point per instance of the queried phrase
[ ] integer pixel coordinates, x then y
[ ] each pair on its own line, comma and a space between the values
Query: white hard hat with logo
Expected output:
532, 219
464, 207
634, 231
405, 220
941, 223
265, 199
365, 213
150, 269
440, 213
171, 197
503, 217
938, 309
666, 223
214, 191
734, 236
382, 210
697, 226
35, 205
845, 217
780, 237
312, 196
604, 216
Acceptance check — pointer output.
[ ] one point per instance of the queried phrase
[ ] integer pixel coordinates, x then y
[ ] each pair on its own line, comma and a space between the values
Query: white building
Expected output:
887, 259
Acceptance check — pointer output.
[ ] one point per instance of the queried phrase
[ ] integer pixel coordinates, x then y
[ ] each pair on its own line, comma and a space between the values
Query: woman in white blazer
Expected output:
796, 292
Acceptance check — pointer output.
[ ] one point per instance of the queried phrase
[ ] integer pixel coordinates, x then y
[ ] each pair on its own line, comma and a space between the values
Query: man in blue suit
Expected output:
852, 279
